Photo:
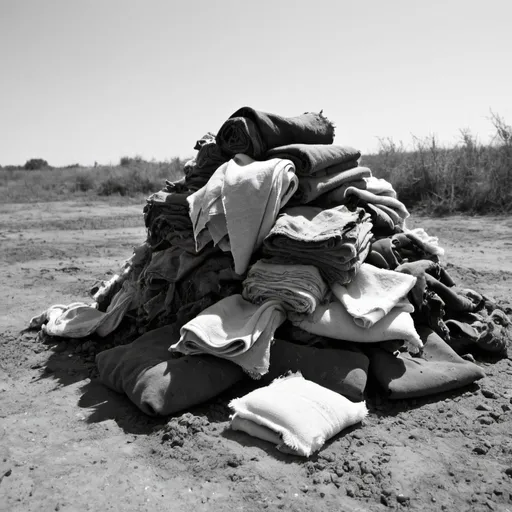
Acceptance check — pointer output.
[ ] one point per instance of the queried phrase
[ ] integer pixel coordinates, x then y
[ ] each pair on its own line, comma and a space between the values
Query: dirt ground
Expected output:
68, 443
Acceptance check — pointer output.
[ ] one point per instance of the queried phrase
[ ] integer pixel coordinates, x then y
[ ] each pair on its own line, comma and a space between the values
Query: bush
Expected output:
35, 164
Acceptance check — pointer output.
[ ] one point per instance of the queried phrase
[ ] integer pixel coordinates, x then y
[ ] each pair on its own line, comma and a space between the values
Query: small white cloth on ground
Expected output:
332, 321
238, 206
296, 414
78, 320
234, 329
373, 293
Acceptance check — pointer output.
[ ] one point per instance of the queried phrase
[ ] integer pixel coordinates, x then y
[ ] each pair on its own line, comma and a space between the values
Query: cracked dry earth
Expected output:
67, 443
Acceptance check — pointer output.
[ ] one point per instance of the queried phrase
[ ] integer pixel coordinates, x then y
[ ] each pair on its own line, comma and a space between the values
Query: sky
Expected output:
93, 80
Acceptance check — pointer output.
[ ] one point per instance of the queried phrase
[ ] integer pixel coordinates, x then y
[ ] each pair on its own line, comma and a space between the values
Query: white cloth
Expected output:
332, 321
234, 329
240, 203
373, 293
78, 320
296, 414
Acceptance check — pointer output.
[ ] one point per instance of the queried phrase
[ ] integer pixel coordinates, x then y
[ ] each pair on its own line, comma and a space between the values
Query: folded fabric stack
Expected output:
299, 287
336, 241
278, 252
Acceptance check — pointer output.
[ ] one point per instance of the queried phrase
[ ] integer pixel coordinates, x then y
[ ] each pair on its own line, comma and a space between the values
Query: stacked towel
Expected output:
299, 287
336, 240
234, 329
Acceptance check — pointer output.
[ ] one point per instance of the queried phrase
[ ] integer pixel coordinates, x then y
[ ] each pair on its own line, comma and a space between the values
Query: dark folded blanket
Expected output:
253, 132
439, 369
159, 383
317, 159
342, 370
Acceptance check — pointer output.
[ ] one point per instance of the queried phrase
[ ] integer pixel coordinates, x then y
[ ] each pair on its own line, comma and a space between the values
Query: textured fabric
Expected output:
300, 288
340, 369
312, 187
333, 321
438, 369
253, 132
234, 329
240, 204
373, 293
370, 197
79, 320
317, 159
335, 240
302, 414
157, 382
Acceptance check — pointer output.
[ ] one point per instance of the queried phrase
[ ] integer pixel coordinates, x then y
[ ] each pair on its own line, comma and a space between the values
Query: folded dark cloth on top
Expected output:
336, 241
158, 383
317, 159
339, 369
253, 132
438, 369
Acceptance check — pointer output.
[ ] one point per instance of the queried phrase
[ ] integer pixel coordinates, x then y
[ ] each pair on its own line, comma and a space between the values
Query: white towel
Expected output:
238, 206
296, 414
234, 329
373, 293
78, 320
333, 321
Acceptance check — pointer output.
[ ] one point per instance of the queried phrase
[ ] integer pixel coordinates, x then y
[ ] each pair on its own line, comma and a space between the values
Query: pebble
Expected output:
483, 407
304, 488
480, 449
402, 498
508, 471
468, 357
488, 393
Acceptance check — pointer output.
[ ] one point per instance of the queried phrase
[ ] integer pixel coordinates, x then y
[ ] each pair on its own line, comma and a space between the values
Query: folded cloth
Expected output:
430, 244
79, 320
317, 159
299, 287
373, 293
335, 240
295, 413
313, 187
438, 369
343, 370
240, 203
234, 329
253, 132
383, 223
383, 254
333, 321
159, 383
370, 197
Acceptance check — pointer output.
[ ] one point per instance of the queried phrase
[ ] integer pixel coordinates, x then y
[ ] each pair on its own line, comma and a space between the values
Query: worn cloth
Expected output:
239, 205
384, 200
333, 321
317, 159
167, 220
253, 132
157, 382
313, 187
335, 240
300, 288
78, 320
438, 369
373, 293
341, 369
296, 414
234, 329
